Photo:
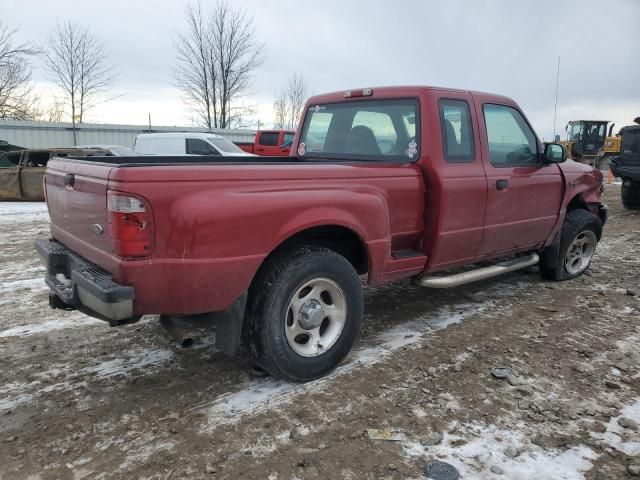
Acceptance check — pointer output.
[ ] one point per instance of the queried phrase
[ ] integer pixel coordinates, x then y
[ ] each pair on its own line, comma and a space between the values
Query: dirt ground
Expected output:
81, 400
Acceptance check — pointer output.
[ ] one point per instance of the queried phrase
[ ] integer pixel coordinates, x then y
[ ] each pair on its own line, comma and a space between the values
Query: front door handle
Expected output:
502, 184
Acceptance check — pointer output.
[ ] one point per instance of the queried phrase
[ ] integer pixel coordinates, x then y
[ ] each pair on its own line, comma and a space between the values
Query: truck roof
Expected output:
180, 135
399, 92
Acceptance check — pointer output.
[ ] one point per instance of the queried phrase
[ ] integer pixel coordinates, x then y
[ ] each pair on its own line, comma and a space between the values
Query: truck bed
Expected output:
155, 160
205, 212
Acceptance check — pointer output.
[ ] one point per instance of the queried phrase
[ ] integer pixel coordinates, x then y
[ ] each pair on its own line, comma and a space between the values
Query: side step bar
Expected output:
479, 274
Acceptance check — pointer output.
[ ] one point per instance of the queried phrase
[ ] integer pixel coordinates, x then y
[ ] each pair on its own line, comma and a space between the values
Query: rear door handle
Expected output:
502, 184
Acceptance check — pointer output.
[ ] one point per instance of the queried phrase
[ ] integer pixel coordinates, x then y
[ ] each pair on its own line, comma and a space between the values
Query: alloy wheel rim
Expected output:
315, 317
580, 252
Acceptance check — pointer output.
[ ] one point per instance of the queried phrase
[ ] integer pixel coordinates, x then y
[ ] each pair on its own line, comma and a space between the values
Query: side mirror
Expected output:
554, 153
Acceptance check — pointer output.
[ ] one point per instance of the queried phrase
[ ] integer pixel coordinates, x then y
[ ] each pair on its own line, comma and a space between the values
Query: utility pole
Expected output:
149, 122
555, 108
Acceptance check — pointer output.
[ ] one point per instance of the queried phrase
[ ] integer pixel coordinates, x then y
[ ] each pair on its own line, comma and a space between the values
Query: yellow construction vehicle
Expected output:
588, 141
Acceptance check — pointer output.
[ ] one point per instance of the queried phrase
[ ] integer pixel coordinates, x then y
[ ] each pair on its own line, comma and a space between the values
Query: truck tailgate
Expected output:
77, 201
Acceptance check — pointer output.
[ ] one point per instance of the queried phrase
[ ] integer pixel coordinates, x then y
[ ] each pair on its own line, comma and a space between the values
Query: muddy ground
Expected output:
81, 400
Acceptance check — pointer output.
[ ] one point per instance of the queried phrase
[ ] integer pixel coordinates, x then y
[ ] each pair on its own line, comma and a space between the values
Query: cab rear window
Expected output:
367, 130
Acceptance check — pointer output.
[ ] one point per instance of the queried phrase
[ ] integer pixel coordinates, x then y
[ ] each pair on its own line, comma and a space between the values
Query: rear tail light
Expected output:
130, 226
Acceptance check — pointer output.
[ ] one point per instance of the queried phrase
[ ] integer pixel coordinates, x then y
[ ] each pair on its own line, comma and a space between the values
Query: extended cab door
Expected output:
456, 185
524, 195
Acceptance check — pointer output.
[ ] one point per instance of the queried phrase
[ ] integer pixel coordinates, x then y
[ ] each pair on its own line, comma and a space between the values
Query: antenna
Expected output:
555, 108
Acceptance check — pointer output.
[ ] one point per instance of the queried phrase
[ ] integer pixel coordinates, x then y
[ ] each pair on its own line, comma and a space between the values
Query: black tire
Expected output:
631, 194
576, 223
269, 308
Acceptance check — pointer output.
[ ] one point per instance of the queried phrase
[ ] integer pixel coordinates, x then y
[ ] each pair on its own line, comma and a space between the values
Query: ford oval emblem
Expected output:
97, 229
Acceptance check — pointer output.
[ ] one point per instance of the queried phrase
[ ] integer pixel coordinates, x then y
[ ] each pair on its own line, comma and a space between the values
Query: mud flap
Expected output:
550, 254
229, 326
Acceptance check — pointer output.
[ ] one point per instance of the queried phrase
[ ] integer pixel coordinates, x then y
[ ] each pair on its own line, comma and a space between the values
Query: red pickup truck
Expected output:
269, 143
395, 182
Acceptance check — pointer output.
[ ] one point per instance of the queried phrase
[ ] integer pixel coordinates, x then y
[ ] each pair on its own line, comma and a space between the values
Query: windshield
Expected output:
575, 133
225, 145
372, 130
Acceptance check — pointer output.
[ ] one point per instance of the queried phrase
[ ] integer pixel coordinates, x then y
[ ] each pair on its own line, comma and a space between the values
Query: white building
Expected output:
52, 134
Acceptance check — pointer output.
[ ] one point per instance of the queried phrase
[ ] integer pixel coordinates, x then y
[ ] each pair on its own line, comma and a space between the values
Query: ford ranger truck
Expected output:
385, 183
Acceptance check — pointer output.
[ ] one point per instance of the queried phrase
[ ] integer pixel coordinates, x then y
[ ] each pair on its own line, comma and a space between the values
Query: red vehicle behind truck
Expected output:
269, 143
391, 183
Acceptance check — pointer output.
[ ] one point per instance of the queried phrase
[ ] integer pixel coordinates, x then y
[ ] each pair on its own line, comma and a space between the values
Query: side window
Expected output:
288, 137
195, 146
381, 126
511, 141
457, 131
269, 139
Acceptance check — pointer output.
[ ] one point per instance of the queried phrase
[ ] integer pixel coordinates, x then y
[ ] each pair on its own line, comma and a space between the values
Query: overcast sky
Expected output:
502, 46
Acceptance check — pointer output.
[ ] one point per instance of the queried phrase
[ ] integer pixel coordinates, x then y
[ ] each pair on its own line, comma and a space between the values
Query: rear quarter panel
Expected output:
217, 223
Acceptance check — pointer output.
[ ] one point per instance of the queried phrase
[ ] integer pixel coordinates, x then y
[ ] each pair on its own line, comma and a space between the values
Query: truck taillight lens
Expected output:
130, 226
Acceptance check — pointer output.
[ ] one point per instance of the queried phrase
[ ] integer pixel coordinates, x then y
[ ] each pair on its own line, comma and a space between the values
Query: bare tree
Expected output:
216, 58
281, 109
55, 111
196, 70
78, 65
297, 95
17, 99
289, 102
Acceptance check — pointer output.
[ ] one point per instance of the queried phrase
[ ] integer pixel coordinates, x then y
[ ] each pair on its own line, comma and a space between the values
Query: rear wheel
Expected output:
304, 313
630, 194
579, 237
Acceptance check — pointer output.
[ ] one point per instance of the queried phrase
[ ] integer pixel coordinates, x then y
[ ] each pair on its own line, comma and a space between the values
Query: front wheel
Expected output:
304, 313
579, 237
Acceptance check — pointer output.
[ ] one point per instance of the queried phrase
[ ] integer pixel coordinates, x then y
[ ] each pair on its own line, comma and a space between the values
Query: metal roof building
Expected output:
53, 134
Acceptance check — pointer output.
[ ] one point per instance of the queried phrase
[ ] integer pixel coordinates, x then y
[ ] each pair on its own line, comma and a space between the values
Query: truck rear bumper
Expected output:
76, 283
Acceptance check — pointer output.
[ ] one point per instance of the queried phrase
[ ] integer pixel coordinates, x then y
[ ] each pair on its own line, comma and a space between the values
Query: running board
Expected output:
479, 274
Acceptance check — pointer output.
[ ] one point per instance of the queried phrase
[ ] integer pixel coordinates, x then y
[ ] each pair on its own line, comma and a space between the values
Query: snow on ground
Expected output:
122, 366
264, 394
476, 448
622, 439
66, 378
12, 212
71, 320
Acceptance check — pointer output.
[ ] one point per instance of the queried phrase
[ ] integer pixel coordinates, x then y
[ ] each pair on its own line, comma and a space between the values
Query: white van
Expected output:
181, 143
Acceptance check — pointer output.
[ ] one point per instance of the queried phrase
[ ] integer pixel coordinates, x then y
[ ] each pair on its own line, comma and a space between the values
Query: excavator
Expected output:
590, 142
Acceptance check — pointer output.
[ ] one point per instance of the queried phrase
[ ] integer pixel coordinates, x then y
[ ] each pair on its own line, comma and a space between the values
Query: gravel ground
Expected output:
81, 400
